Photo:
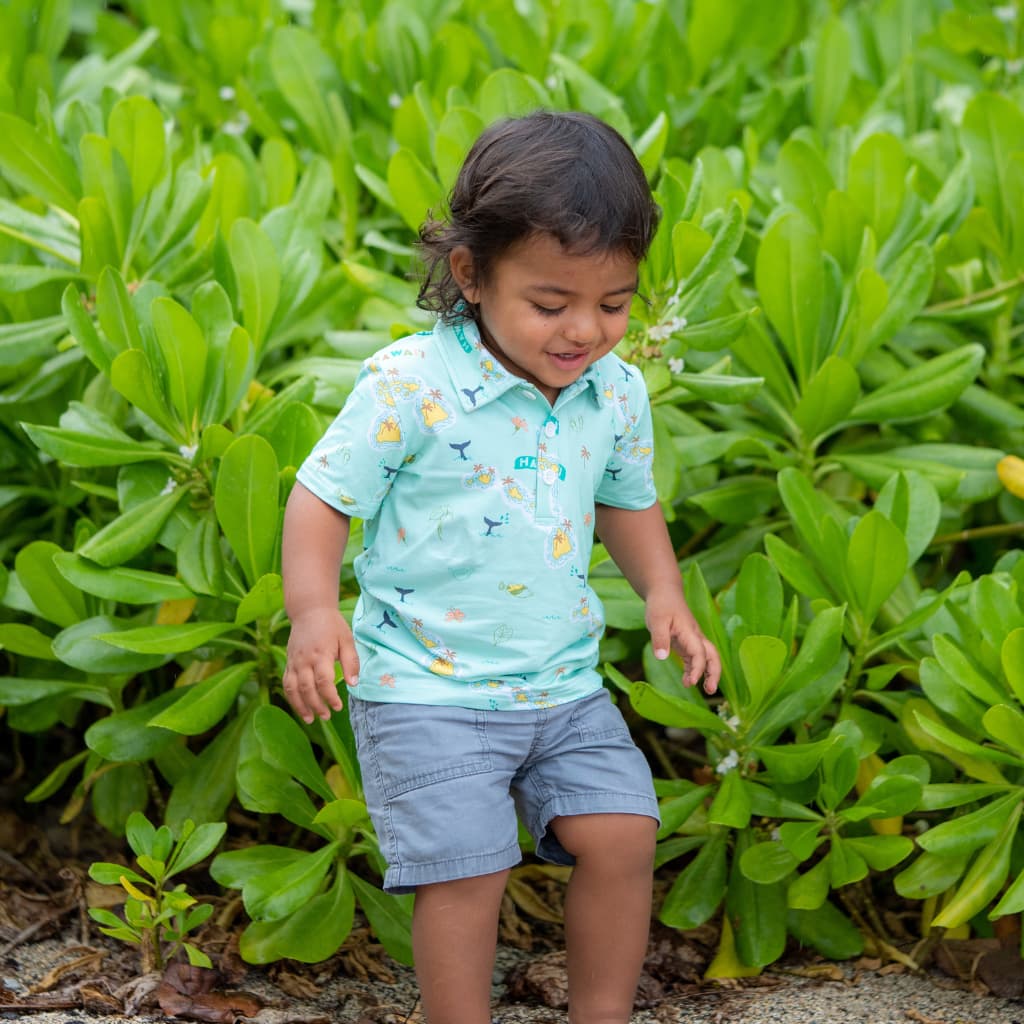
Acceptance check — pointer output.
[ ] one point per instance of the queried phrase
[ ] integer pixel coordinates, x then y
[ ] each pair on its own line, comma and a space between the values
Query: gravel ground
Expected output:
843, 996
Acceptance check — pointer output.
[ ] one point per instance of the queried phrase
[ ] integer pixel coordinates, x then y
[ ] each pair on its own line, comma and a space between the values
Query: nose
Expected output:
580, 329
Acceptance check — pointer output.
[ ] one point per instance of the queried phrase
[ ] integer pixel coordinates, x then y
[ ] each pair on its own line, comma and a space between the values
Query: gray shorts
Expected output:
444, 785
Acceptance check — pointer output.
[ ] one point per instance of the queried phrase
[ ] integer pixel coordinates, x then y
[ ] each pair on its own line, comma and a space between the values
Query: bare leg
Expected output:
607, 911
454, 938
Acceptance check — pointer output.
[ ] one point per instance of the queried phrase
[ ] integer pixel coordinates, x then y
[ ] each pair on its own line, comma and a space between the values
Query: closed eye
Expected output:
614, 309
546, 310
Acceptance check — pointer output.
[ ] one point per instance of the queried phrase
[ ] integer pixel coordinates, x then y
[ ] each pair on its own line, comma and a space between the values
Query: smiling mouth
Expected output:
569, 357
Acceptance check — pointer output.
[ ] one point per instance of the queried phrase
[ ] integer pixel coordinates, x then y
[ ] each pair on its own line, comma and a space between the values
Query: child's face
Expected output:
547, 314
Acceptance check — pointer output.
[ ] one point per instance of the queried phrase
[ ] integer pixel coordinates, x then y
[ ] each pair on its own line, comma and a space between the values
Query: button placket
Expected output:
547, 469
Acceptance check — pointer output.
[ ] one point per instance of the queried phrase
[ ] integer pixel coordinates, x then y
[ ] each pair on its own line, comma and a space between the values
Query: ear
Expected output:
463, 268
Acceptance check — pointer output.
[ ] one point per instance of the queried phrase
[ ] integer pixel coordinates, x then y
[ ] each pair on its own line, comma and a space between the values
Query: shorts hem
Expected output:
570, 805
406, 878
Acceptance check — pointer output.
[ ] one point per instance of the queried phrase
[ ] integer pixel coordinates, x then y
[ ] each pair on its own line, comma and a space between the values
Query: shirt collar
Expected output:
480, 378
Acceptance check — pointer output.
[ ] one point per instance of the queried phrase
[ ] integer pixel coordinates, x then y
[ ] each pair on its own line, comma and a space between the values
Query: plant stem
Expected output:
962, 536
965, 300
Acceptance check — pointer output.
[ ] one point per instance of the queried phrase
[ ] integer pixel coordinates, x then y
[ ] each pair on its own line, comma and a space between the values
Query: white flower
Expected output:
226, 93
730, 761
1007, 13
1015, 67
551, 82
776, 835
170, 486
953, 101
289, 124
394, 101
188, 451
734, 722
676, 365
237, 126
660, 332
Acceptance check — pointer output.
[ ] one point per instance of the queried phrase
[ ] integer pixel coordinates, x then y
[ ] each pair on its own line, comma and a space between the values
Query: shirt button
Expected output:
549, 476
550, 429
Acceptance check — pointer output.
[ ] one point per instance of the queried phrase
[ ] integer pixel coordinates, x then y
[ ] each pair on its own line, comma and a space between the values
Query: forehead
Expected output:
542, 260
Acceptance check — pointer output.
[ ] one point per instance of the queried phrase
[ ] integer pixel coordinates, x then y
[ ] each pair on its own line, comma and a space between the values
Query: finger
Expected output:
295, 694
661, 638
713, 671
325, 690
695, 662
349, 662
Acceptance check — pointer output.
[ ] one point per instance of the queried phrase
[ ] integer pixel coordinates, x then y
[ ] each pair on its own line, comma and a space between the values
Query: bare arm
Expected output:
641, 547
312, 548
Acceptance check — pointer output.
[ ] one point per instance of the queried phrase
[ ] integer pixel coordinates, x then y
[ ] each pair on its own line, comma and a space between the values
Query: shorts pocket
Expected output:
597, 718
418, 745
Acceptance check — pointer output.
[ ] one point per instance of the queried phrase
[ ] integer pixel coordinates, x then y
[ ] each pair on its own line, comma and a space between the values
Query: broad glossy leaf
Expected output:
233, 868
922, 390
258, 275
127, 735
57, 600
666, 709
762, 659
132, 531
793, 762
766, 863
881, 852
962, 666
303, 73
286, 747
1005, 724
845, 864
909, 283
911, 502
984, 878
827, 398
203, 793
804, 177
992, 128
886, 797
1012, 658
265, 599
832, 73
36, 165
878, 169
310, 935
930, 875
826, 930
757, 912
963, 834
205, 703
876, 561
699, 887
17, 691
246, 503
184, 351
415, 189
790, 279
132, 586
390, 918
200, 562
946, 693
19, 638
167, 639
731, 805
22, 342
98, 349
283, 891
509, 93
759, 596
136, 129
809, 890
132, 373
796, 569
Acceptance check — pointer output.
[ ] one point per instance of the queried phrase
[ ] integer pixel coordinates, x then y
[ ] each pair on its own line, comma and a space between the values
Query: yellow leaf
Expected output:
175, 613
1011, 474
197, 671
134, 891
727, 963
868, 768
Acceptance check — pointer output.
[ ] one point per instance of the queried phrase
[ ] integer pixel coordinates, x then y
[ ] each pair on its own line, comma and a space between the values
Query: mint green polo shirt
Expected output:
478, 504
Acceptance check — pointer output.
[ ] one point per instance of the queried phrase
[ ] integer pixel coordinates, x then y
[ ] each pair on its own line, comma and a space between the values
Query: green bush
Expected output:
207, 212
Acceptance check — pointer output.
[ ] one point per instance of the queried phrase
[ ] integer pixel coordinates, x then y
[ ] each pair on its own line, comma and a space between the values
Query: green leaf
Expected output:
699, 887
16, 691
794, 762
809, 890
286, 747
56, 600
1005, 724
909, 283
167, 639
984, 878
796, 569
930, 875
992, 128
922, 390
878, 170
911, 502
876, 561
415, 189
132, 586
136, 129
246, 502
204, 791
19, 638
258, 274
827, 398
1012, 657
757, 912
832, 73
132, 531
667, 709
731, 805
962, 835
133, 375
264, 788
16, 277
127, 736
759, 596
184, 352
882, 852
762, 659
509, 93
115, 312
200, 562
310, 935
77, 448
845, 864
390, 918
826, 930
233, 868
205, 703
37, 166
266, 598
767, 863
790, 280
280, 893
80, 646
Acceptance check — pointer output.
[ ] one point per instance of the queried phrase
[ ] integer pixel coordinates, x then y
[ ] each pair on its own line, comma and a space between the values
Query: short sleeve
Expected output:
353, 465
628, 480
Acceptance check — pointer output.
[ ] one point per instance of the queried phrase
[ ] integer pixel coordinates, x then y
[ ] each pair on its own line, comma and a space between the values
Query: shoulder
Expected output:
416, 354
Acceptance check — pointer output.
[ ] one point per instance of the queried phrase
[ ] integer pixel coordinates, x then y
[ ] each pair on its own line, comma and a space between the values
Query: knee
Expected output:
624, 840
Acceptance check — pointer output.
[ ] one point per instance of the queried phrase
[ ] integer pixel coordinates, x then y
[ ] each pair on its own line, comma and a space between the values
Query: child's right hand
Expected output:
319, 638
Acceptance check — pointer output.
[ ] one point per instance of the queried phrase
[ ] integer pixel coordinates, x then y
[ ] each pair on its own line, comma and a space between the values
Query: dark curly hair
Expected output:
568, 175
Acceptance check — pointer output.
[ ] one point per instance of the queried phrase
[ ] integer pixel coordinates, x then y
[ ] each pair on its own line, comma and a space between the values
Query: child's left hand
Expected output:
672, 625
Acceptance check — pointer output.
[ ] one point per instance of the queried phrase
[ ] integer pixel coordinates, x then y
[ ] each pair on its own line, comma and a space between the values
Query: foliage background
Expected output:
206, 217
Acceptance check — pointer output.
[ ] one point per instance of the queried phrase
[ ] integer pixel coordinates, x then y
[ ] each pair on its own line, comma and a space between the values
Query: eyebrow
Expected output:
554, 289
